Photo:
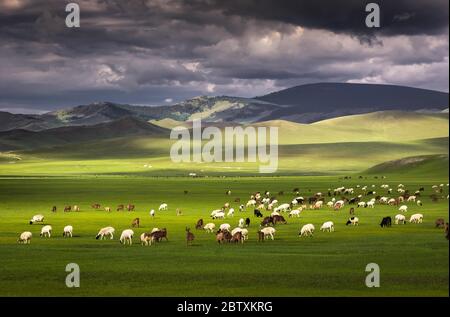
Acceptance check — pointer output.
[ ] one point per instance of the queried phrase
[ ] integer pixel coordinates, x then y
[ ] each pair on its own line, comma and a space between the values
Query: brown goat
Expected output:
67, 208
199, 224
267, 221
189, 236
440, 223
120, 208
227, 236
278, 219
237, 237
54, 209
219, 237
135, 222
160, 234
130, 207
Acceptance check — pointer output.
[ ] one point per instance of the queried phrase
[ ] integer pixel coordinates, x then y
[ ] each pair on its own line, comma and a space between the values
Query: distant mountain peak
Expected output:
319, 101
303, 104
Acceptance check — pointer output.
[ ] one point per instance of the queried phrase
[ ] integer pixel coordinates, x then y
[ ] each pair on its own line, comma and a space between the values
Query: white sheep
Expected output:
371, 204
244, 232
241, 223
400, 219
219, 215
318, 204
163, 206
275, 213
307, 230
392, 202
416, 218
361, 204
419, 203
152, 213
251, 203
215, 211
155, 230
236, 230
25, 237
107, 231
411, 199
225, 227
339, 204
283, 208
127, 235
268, 232
295, 213
46, 231
384, 200
403, 208
230, 212
37, 218
327, 226
68, 231
209, 227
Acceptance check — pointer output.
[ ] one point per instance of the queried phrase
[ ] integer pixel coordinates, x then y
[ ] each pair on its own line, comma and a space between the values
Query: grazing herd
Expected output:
337, 199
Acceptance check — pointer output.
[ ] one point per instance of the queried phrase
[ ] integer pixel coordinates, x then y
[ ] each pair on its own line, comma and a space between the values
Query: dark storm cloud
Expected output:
147, 51
398, 17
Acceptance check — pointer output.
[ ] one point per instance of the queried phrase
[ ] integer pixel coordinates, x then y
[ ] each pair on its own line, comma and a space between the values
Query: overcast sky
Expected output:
154, 52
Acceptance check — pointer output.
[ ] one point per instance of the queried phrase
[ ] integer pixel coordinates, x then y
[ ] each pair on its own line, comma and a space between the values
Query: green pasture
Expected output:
413, 258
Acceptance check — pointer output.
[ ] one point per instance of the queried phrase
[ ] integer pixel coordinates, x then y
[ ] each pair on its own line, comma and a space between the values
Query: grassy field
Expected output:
337, 146
413, 258
150, 157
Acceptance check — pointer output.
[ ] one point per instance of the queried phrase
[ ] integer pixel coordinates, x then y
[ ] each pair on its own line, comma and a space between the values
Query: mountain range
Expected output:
302, 104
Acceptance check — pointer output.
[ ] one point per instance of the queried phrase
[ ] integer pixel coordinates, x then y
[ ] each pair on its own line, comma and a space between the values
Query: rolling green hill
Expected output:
428, 165
378, 126
129, 146
124, 127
